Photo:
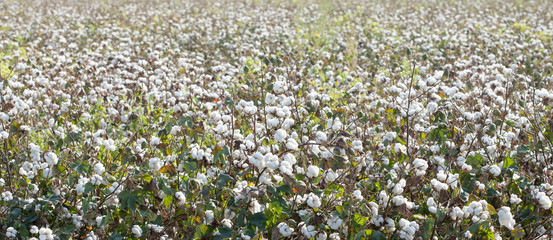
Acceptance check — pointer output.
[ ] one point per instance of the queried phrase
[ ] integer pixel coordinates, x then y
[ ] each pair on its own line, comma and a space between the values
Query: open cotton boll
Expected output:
431, 107
110, 144
280, 135
181, 199
175, 130
271, 161
209, 216
544, 200
408, 229
308, 231
439, 186
495, 170
334, 222
398, 188
432, 206
420, 166
99, 168
292, 144
313, 201
506, 218
357, 145
154, 163
284, 229
286, 168
320, 137
51, 158
45, 234
312, 171
137, 231
330, 176
357, 194
7, 196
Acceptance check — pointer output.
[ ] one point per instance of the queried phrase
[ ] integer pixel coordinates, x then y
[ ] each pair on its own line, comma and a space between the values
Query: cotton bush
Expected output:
276, 119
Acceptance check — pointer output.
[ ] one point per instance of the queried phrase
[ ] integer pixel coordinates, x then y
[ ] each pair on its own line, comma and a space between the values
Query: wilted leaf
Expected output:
168, 169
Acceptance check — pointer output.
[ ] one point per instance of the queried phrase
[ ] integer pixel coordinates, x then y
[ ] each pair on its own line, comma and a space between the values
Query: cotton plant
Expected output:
313, 121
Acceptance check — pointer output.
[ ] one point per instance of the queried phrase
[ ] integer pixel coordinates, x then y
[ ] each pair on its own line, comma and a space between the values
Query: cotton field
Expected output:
285, 119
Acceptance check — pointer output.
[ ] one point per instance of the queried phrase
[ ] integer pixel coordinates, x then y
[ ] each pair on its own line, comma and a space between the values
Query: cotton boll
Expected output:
312, 171
408, 229
432, 207
330, 176
175, 130
255, 207
284, 229
154, 141
181, 199
431, 107
7, 196
271, 161
99, 168
110, 145
495, 170
270, 98
209, 216
321, 137
292, 144
280, 135
154, 163
227, 223
47, 173
334, 222
321, 236
308, 231
313, 201
420, 166
506, 218
45, 234
201, 178
286, 168
137, 231
441, 176
398, 188
544, 200
357, 145
515, 199
456, 214
390, 136
11, 232
51, 158
439, 186
357, 194
398, 200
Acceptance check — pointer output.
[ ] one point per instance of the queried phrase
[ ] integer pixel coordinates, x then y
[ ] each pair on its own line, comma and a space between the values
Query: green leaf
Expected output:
86, 204
427, 229
67, 229
475, 160
223, 179
508, 162
284, 189
131, 202
116, 236
88, 187
377, 235
201, 231
226, 233
259, 220
523, 149
167, 200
